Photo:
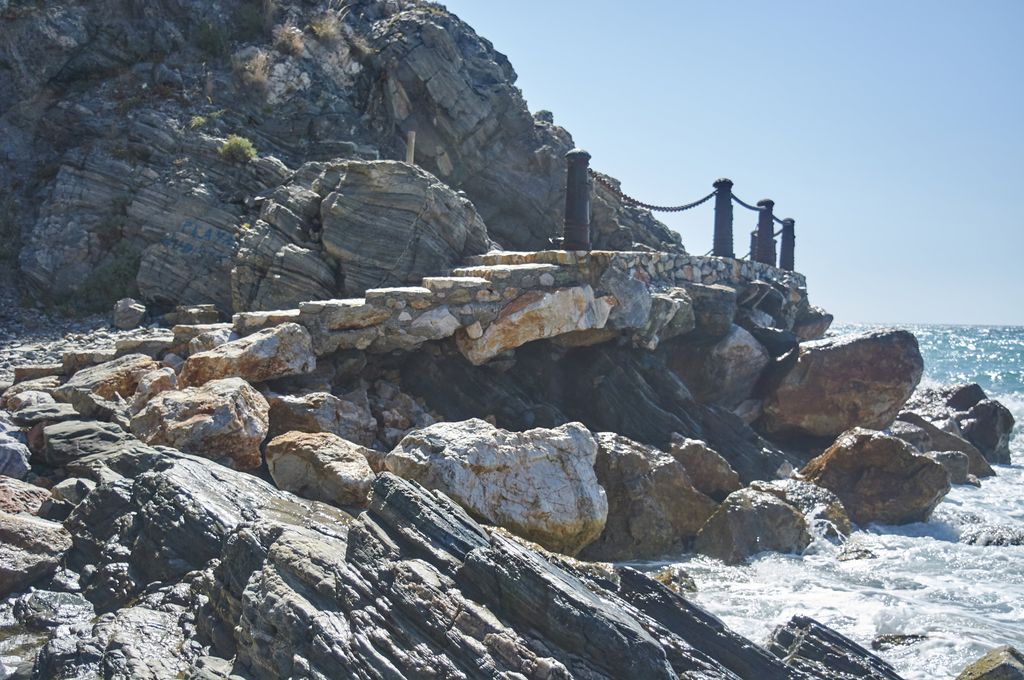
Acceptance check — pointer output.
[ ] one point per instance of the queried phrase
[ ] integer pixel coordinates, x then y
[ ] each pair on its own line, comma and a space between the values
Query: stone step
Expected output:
560, 257
444, 284
519, 275
31, 372
247, 323
416, 297
346, 314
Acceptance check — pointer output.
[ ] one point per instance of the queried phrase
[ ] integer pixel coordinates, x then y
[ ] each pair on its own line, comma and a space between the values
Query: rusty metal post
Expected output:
577, 201
722, 244
786, 258
765, 232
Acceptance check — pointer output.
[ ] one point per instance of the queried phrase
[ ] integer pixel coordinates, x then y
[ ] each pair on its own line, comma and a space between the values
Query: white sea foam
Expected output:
965, 599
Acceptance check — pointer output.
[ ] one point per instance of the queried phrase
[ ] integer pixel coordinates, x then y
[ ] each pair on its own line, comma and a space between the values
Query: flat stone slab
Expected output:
247, 323
33, 371
44, 413
340, 315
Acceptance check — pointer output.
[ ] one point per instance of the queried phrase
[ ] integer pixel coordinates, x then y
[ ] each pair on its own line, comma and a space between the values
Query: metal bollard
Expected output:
786, 259
753, 246
577, 201
765, 233
722, 244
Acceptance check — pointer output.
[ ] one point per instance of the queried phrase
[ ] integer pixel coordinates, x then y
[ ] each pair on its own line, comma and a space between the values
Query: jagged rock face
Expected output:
224, 420
812, 324
435, 76
652, 506
879, 478
988, 425
17, 496
749, 522
832, 385
137, 200
276, 352
819, 506
14, 455
723, 372
321, 467
710, 473
539, 484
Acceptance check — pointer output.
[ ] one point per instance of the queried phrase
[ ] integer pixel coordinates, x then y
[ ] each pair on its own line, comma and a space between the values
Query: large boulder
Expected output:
859, 380
536, 315
821, 508
349, 418
988, 425
14, 455
97, 389
749, 522
320, 466
925, 436
30, 549
224, 420
539, 484
652, 505
721, 372
879, 478
271, 353
1000, 663
709, 472
714, 309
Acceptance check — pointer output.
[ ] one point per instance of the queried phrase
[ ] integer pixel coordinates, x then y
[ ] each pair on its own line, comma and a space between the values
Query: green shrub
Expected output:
197, 122
326, 27
212, 39
112, 280
237, 149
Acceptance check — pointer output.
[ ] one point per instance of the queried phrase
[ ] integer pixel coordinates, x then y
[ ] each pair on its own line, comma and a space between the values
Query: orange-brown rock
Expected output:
710, 473
859, 380
272, 353
224, 420
91, 389
879, 478
652, 506
320, 466
17, 496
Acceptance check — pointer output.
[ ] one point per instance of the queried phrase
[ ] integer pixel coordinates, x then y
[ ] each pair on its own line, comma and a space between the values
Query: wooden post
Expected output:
410, 147
722, 244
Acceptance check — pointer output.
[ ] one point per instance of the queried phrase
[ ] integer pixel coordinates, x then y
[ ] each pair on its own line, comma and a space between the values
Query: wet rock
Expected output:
891, 640
17, 496
988, 425
652, 505
924, 436
536, 315
30, 549
879, 478
956, 464
749, 522
224, 420
819, 506
983, 533
807, 646
272, 353
349, 418
45, 609
1001, 663
134, 642
850, 381
539, 484
708, 471
320, 466
128, 313
95, 391
722, 372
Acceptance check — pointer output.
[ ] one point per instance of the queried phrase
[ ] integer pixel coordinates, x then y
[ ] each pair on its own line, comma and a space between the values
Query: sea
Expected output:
946, 602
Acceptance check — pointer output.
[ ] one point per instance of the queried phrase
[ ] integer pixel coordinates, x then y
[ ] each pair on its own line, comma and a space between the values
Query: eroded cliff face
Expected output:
114, 117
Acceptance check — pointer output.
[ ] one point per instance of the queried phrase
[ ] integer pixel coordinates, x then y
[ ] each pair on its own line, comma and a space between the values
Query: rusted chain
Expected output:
629, 200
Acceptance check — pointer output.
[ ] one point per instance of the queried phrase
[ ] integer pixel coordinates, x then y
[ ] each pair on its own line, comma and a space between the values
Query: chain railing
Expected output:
762, 240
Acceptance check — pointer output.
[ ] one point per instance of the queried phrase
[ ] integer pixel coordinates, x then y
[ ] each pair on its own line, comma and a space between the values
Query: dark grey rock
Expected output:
821, 652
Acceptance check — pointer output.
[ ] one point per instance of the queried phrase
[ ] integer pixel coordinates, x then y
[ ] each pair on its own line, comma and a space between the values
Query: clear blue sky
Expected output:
892, 131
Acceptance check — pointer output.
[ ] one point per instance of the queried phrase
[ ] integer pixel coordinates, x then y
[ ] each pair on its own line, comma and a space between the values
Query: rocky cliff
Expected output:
118, 177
